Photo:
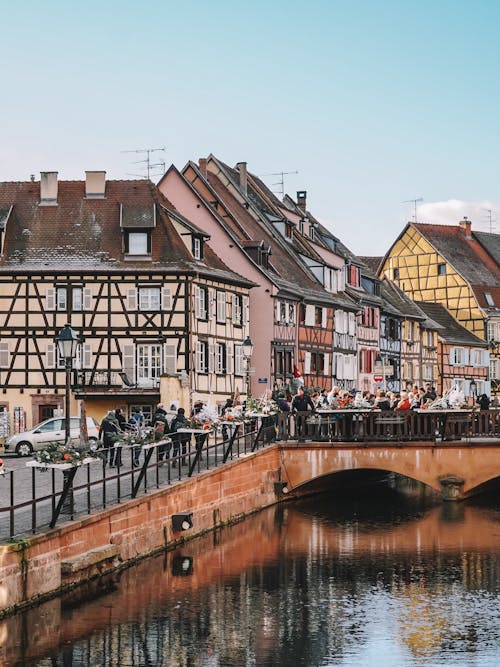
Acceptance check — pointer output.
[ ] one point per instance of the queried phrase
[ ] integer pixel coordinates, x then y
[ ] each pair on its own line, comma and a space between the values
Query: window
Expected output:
441, 269
77, 298
237, 309
489, 299
302, 313
202, 356
291, 313
197, 248
62, 298
458, 356
221, 307
392, 329
283, 362
149, 298
318, 316
353, 276
495, 369
428, 338
149, 367
428, 372
395, 274
201, 303
283, 312
220, 358
138, 243
239, 360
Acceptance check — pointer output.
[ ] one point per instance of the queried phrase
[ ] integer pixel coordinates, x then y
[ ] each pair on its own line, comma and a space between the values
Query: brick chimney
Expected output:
95, 184
48, 188
202, 163
302, 199
465, 225
242, 168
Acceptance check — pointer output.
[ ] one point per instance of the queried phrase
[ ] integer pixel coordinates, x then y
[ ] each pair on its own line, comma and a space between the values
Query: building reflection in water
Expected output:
365, 582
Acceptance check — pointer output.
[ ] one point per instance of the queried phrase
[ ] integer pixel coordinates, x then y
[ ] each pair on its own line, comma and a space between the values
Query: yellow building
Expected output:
458, 268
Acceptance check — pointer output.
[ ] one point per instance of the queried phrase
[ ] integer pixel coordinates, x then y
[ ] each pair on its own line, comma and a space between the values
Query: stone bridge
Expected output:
455, 470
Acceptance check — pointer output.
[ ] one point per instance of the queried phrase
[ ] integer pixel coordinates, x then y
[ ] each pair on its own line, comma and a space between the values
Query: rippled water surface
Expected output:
369, 580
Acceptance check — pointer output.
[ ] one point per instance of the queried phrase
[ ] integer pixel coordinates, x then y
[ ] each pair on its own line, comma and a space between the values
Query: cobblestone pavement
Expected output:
20, 484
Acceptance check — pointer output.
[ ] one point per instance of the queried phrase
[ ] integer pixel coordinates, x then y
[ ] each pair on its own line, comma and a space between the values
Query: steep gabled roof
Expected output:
373, 263
80, 233
466, 254
452, 332
491, 243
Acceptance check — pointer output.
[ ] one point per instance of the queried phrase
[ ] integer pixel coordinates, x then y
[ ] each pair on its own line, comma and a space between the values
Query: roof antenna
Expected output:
149, 165
414, 202
489, 211
281, 182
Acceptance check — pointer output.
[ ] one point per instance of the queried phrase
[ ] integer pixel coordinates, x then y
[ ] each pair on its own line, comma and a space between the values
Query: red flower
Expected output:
67, 457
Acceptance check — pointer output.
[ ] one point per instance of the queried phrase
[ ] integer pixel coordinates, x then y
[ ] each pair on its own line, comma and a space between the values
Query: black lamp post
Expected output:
473, 388
247, 353
67, 344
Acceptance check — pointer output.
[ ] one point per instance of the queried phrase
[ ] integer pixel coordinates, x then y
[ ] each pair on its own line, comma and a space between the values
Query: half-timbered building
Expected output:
303, 310
454, 266
462, 356
137, 282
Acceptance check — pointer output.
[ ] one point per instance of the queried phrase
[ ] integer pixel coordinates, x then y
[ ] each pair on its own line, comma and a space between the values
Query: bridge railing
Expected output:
402, 426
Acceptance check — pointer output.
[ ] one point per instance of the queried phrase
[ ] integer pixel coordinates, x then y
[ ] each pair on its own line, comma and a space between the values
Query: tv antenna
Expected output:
489, 211
414, 202
281, 182
147, 162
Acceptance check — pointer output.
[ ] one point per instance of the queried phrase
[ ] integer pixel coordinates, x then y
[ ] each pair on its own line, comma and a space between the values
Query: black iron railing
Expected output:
34, 499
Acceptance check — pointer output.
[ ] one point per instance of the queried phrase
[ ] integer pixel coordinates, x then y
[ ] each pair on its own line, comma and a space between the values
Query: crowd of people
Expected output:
164, 423
336, 398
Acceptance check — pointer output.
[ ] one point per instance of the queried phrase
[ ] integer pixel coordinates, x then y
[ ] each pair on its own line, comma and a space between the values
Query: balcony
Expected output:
95, 382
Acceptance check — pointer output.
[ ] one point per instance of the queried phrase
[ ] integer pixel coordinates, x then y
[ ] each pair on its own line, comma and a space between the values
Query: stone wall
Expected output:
44, 565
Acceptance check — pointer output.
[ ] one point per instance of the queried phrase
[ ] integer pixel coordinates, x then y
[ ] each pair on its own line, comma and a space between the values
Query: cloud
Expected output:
450, 212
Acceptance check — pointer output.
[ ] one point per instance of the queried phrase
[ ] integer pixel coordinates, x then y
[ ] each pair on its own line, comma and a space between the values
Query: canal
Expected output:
366, 578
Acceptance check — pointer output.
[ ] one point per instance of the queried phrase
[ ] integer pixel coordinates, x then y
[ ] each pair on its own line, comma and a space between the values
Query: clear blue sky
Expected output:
373, 102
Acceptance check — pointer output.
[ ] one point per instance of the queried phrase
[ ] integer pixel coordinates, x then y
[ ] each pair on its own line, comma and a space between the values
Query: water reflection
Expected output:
366, 580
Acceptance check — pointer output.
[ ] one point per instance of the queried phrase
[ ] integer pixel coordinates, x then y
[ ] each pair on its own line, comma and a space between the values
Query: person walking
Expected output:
160, 425
108, 434
179, 440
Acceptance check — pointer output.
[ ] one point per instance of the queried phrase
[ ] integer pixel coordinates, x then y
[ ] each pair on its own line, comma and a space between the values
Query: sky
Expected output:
373, 102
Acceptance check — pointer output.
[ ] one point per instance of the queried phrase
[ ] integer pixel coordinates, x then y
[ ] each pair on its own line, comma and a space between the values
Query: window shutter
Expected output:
221, 307
199, 357
465, 357
50, 298
210, 305
211, 358
170, 353
278, 312
229, 359
131, 299
50, 355
166, 298
4, 355
309, 316
238, 360
452, 356
128, 361
324, 317
244, 314
341, 366
87, 355
351, 324
307, 363
326, 363
87, 298
197, 302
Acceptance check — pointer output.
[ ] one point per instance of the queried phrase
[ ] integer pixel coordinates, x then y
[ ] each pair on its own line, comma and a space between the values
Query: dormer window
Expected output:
489, 299
197, 248
137, 243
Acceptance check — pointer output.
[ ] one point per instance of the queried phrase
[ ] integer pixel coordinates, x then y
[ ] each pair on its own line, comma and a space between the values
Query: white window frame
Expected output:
148, 374
138, 243
220, 307
202, 356
239, 360
61, 298
237, 309
197, 248
220, 358
201, 302
149, 299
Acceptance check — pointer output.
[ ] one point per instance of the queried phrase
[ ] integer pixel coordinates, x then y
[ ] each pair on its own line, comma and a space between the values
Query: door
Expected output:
148, 365
46, 411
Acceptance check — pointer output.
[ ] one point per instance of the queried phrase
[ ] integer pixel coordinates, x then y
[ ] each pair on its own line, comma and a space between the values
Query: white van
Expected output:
51, 430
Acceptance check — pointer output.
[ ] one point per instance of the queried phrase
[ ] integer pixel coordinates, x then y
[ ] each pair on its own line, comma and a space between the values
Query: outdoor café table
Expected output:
69, 471
447, 417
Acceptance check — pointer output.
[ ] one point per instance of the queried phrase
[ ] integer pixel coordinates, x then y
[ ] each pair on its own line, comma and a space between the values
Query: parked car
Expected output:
51, 430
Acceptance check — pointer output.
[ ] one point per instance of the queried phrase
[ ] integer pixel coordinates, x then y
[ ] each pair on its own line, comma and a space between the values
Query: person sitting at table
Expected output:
381, 401
430, 394
345, 399
333, 397
404, 402
322, 401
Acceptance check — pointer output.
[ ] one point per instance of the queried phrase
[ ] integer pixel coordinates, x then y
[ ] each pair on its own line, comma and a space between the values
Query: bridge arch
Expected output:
458, 469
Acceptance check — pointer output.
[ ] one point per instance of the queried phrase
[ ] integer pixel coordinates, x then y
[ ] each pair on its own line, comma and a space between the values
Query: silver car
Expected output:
51, 430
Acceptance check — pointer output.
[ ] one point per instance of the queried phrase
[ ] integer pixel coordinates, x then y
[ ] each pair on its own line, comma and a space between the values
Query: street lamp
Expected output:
247, 349
67, 344
473, 388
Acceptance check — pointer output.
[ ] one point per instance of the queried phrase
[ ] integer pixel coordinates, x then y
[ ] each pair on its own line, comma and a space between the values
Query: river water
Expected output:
366, 579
